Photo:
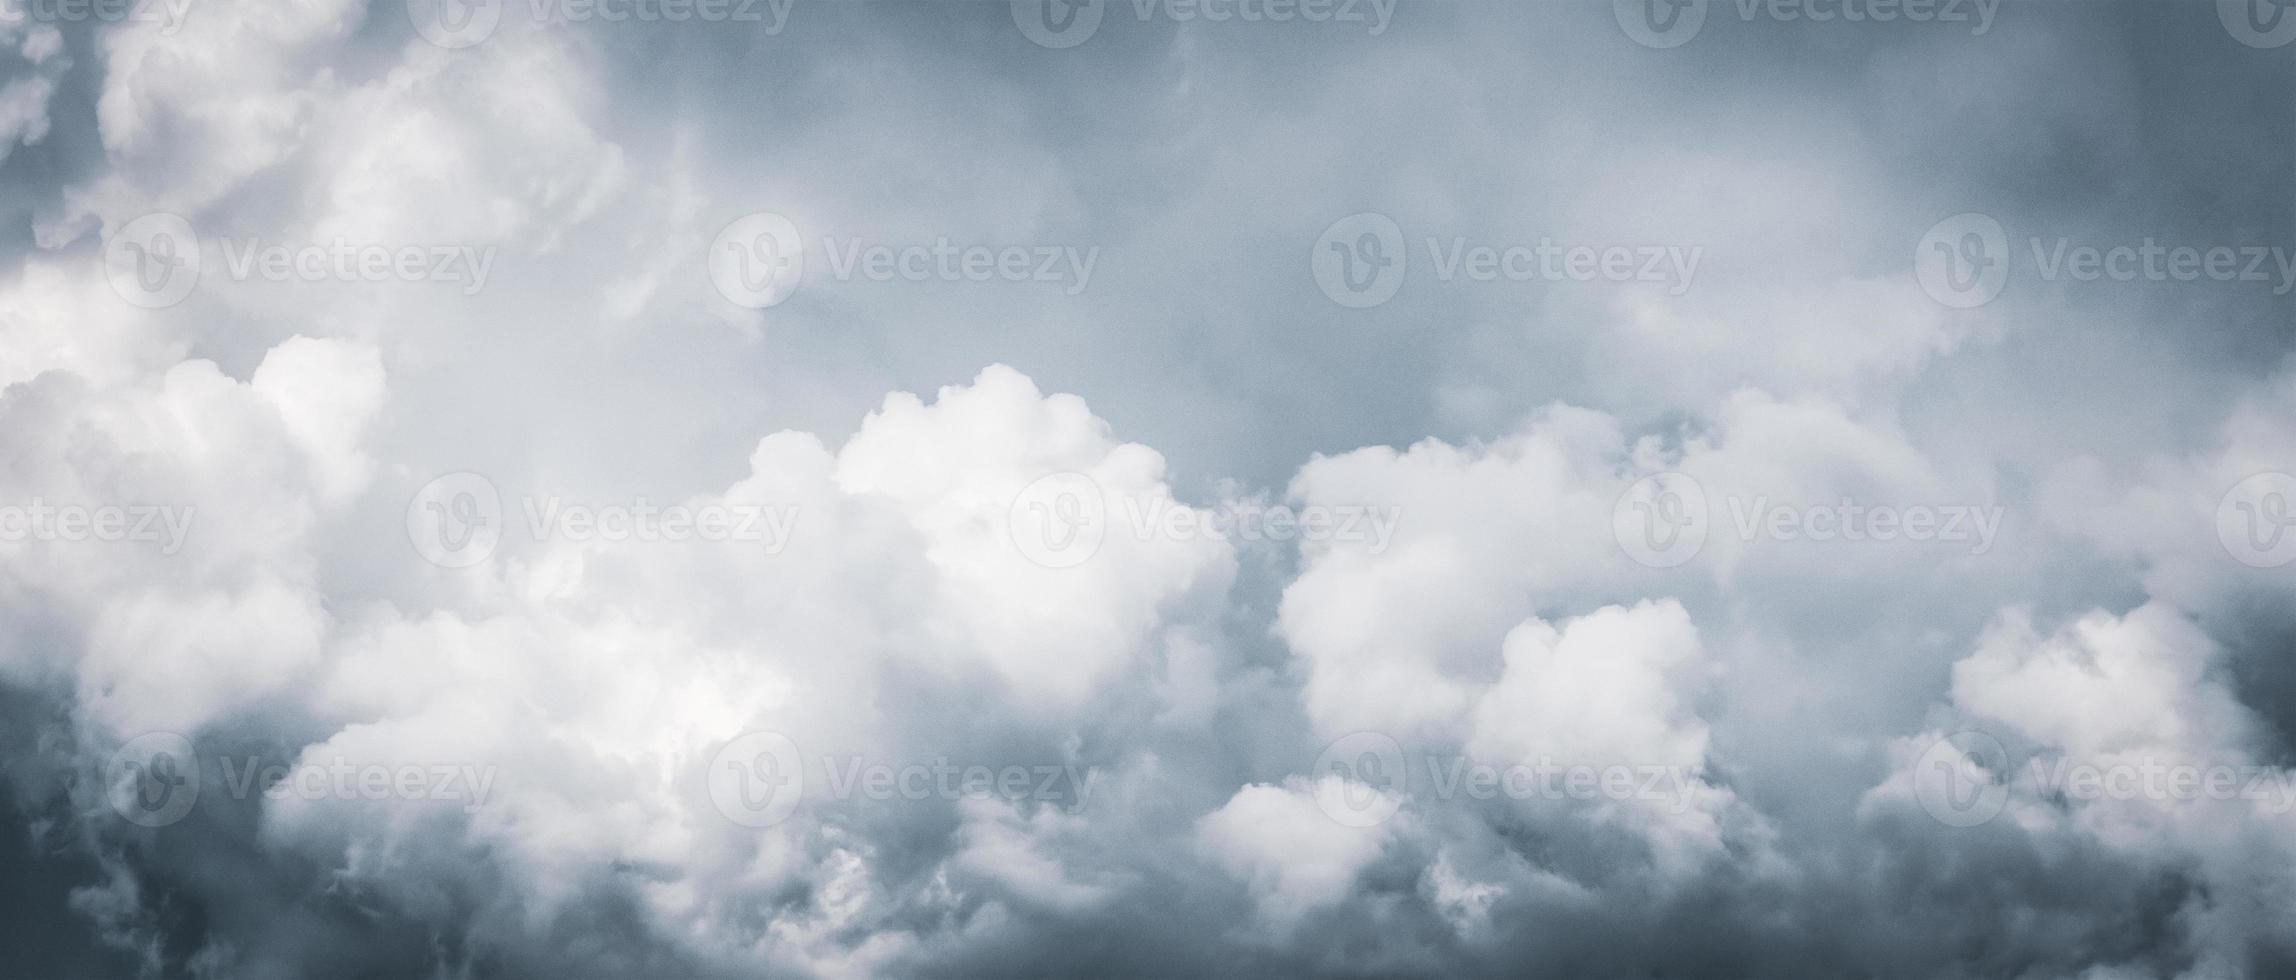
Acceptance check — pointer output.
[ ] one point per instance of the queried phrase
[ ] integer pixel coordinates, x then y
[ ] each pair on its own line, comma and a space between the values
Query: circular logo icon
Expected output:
1371, 780
757, 779
1058, 23
456, 520
153, 779
2256, 520
2258, 23
1660, 23
1660, 520
1963, 261
1359, 260
758, 260
454, 23
1059, 520
1954, 781
153, 261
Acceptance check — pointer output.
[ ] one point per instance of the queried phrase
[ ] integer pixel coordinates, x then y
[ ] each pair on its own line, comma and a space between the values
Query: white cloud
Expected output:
1280, 842
1768, 683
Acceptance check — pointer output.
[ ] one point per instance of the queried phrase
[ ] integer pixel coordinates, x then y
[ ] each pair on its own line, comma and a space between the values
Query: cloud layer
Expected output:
1145, 489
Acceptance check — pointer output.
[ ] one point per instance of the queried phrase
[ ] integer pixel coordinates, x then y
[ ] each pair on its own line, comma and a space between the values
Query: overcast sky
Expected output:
1165, 488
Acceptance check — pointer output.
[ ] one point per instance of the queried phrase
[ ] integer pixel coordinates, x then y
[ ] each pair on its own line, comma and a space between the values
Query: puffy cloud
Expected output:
1282, 844
1612, 690
1399, 638
201, 594
192, 107
26, 92
521, 767
961, 471
2113, 744
598, 687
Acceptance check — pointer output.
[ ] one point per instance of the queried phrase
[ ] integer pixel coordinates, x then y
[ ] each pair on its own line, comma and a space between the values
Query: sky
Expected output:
1147, 488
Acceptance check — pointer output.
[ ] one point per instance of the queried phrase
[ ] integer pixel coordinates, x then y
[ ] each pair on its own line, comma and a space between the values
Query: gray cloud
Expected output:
369, 719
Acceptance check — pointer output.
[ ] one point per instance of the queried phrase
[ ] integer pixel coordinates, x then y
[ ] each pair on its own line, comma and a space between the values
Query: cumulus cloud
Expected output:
1280, 842
2128, 752
451, 577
